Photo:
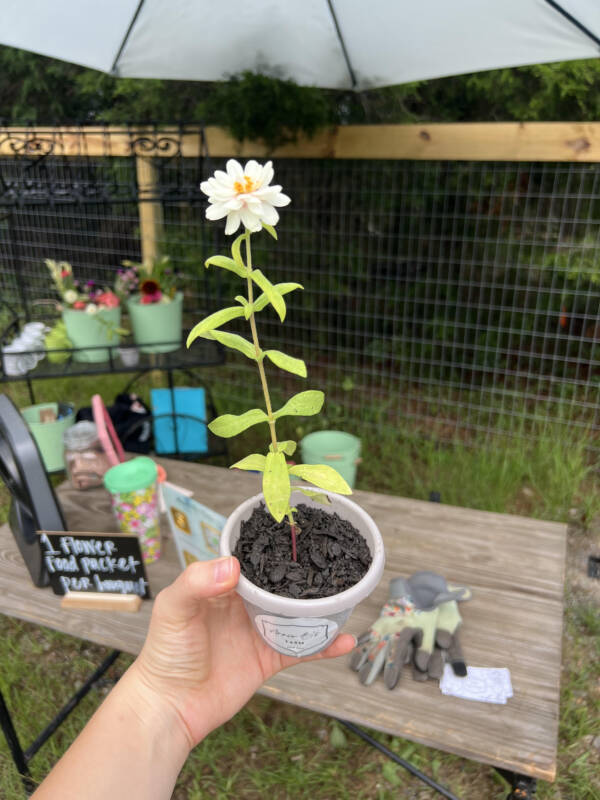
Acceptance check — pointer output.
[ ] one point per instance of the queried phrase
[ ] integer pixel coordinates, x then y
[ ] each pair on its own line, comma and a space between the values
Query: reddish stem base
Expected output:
294, 553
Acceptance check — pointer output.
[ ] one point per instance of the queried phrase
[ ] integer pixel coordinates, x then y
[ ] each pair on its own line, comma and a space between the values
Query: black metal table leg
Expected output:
396, 758
14, 746
522, 787
22, 757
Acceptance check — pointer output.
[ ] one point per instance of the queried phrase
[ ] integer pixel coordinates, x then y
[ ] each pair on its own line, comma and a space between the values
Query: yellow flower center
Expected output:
247, 186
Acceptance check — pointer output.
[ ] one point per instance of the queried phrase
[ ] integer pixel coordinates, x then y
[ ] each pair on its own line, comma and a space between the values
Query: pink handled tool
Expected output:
106, 432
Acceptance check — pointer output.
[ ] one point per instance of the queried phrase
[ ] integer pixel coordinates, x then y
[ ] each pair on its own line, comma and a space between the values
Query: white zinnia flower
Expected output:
244, 196
91, 308
70, 296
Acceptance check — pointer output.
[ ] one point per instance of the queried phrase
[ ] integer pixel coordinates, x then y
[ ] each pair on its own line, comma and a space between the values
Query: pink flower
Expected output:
79, 305
108, 299
146, 299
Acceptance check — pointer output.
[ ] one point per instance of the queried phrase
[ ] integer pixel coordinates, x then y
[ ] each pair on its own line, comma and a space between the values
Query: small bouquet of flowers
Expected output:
155, 281
89, 297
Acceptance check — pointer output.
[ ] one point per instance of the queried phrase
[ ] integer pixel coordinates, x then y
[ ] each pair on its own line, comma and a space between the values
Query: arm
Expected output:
186, 682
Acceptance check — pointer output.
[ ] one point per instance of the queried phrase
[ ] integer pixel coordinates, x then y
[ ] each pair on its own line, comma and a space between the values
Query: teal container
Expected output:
155, 323
49, 435
92, 330
335, 449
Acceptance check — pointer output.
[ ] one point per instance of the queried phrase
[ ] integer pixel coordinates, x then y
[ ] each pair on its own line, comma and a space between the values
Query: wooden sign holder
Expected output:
101, 601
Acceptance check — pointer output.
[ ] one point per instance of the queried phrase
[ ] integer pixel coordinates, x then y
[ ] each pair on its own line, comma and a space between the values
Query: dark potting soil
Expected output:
332, 554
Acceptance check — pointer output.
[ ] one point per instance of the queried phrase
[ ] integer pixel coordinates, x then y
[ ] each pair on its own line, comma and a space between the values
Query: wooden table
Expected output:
514, 565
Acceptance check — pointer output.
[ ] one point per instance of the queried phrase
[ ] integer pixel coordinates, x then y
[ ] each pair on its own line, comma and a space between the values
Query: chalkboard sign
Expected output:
94, 562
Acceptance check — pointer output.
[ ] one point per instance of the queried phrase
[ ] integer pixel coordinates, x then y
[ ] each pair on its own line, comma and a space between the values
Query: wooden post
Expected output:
150, 210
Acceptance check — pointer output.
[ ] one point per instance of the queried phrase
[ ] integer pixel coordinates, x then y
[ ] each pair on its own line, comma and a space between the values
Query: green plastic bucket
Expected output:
155, 323
49, 435
335, 449
92, 330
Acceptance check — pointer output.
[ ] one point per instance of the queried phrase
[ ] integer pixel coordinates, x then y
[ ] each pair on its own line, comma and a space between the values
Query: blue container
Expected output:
189, 421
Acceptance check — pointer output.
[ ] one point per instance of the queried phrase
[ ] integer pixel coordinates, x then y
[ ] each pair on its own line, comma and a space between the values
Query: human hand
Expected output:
203, 659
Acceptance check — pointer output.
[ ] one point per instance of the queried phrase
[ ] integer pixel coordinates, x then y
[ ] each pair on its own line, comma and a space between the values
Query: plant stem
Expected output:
263, 378
293, 532
261, 369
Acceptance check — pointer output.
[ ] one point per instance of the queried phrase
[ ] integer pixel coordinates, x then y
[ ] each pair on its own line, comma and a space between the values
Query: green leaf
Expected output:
214, 321
270, 229
390, 773
227, 263
322, 476
283, 288
276, 485
288, 447
318, 496
246, 305
295, 365
236, 251
231, 424
255, 461
235, 342
304, 404
337, 737
273, 295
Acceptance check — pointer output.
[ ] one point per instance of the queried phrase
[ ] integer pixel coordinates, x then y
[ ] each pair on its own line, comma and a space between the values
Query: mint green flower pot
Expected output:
49, 435
92, 330
156, 323
335, 449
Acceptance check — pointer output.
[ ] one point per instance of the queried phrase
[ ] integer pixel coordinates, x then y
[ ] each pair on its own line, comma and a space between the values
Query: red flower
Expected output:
64, 273
79, 305
150, 291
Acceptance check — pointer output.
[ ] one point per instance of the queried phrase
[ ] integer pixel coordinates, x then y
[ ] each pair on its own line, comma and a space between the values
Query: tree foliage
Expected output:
37, 89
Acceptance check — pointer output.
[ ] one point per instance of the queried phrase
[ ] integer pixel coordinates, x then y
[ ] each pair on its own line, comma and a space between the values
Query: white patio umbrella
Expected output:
328, 43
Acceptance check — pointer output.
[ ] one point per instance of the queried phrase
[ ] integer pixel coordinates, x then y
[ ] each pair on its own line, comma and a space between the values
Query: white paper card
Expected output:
196, 528
487, 685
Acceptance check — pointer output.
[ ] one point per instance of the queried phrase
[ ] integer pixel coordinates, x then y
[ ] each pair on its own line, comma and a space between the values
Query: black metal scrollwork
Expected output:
147, 145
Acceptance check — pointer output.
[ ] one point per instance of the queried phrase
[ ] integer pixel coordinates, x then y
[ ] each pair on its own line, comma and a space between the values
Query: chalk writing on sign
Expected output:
94, 562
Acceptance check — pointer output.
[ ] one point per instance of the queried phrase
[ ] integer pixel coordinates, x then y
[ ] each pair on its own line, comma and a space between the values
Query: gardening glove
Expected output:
447, 643
446, 635
406, 626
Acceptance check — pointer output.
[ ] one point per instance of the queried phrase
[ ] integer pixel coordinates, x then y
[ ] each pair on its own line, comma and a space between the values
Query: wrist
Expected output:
158, 721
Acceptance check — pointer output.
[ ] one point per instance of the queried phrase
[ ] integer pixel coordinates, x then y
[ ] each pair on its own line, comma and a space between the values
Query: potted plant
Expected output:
303, 567
91, 313
155, 306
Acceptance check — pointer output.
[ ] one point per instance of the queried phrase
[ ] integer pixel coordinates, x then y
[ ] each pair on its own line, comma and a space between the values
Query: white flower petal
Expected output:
234, 170
253, 203
250, 220
253, 170
268, 174
269, 215
280, 200
234, 204
233, 222
216, 211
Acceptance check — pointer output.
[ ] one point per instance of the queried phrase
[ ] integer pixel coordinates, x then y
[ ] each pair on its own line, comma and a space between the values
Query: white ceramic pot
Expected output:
130, 356
303, 627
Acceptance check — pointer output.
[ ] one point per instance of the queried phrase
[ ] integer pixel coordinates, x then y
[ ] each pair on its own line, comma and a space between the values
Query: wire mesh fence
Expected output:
450, 297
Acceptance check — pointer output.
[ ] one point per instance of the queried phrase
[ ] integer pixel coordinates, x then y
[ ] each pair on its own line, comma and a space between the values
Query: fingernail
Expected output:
223, 570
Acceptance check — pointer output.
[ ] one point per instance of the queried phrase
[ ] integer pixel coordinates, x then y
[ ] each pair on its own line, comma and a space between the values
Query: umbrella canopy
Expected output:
336, 44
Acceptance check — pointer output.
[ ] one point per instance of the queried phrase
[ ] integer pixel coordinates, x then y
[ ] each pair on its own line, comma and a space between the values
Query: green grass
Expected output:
277, 750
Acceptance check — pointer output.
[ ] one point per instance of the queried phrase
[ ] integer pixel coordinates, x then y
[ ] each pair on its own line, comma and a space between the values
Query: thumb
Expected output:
182, 600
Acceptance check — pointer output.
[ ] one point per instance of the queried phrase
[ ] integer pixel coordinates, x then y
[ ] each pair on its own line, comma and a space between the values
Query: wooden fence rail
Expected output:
485, 141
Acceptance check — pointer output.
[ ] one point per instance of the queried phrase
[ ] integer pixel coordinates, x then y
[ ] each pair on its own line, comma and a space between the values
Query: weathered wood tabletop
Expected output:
514, 565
